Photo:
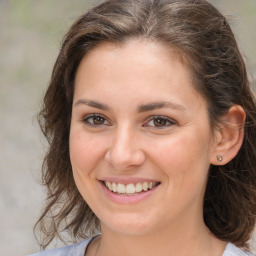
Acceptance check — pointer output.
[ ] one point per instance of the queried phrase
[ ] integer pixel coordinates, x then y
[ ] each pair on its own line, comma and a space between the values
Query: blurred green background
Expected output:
30, 36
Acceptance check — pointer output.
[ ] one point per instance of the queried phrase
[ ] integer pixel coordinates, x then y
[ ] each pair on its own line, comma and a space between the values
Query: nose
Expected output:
124, 152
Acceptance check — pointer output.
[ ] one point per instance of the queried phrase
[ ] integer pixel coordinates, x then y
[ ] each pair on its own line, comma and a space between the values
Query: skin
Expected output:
125, 143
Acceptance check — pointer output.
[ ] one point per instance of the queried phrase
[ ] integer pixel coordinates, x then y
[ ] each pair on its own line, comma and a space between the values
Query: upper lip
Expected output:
130, 180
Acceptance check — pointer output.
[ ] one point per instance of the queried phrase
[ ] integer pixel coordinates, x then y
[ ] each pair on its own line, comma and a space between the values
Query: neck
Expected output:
193, 241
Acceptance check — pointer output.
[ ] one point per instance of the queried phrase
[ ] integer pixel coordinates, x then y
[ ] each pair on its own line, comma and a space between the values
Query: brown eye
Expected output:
159, 122
98, 120
95, 120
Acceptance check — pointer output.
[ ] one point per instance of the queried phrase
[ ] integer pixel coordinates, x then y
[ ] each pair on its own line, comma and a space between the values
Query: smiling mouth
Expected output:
130, 189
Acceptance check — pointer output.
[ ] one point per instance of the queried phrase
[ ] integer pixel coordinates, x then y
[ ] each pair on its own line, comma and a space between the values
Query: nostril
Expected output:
107, 156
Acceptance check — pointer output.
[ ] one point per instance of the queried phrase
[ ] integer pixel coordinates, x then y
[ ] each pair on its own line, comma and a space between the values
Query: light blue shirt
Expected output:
79, 250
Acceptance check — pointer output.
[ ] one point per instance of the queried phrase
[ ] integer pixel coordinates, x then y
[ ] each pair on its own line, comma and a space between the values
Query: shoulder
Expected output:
71, 250
232, 250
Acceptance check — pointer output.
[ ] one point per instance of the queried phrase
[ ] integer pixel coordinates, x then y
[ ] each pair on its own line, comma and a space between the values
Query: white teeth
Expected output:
109, 185
145, 186
120, 188
114, 187
138, 187
129, 188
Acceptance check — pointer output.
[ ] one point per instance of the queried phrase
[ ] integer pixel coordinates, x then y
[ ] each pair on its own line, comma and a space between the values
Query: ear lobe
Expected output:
229, 137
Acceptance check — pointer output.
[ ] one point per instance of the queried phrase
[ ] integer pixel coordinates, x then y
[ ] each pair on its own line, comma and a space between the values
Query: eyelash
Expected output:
92, 117
167, 121
160, 118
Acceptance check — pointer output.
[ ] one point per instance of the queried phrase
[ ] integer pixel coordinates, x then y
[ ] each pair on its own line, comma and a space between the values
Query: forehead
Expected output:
137, 47
133, 56
135, 73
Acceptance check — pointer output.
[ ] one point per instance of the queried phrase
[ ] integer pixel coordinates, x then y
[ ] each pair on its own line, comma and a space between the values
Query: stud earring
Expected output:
219, 158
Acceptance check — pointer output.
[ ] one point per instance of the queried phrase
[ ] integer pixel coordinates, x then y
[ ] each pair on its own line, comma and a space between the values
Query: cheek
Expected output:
183, 161
84, 158
183, 158
84, 151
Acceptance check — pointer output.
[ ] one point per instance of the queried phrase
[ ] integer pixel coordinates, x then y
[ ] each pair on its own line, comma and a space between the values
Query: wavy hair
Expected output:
205, 42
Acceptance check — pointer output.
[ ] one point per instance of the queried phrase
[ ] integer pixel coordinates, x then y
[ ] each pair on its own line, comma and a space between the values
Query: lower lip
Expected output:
126, 199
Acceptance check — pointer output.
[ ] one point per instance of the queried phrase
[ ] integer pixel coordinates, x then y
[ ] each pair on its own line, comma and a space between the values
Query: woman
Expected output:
151, 125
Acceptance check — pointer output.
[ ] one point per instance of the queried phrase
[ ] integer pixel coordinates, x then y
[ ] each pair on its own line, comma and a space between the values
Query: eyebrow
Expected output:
92, 103
140, 109
159, 105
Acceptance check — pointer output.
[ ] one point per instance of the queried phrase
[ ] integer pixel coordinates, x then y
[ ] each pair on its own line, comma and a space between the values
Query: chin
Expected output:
128, 224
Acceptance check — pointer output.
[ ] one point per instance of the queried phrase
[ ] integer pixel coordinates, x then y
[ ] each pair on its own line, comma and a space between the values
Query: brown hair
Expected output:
204, 38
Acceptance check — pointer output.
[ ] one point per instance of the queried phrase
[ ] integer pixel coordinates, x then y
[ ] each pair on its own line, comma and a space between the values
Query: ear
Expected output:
229, 136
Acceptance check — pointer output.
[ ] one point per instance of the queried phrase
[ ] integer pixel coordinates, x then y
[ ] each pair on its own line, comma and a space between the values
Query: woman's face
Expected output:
139, 127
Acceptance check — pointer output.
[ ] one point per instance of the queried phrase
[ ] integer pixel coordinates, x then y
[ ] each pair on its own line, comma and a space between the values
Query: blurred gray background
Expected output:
30, 35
